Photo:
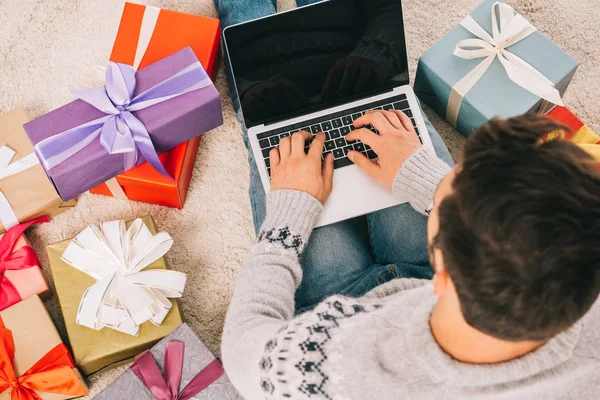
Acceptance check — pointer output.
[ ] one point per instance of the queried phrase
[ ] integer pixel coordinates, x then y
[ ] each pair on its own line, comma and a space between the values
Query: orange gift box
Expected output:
146, 35
34, 362
580, 133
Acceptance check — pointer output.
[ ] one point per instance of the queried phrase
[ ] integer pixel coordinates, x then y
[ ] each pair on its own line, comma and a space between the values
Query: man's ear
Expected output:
441, 279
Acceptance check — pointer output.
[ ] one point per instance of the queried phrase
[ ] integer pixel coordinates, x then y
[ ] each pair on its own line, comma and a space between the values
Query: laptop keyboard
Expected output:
336, 127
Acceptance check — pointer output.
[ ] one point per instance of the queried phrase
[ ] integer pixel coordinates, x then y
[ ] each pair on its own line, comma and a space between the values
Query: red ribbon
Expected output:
11, 259
167, 387
53, 373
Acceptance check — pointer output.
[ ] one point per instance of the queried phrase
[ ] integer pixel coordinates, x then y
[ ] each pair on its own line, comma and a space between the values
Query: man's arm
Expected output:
418, 179
263, 299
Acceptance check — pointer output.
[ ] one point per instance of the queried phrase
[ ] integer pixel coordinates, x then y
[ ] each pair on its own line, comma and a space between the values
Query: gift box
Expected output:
101, 323
193, 373
132, 119
579, 132
494, 64
146, 35
20, 273
143, 183
29, 192
34, 362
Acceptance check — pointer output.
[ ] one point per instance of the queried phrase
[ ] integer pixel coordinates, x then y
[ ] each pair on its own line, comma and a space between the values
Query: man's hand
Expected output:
291, 168
396, 142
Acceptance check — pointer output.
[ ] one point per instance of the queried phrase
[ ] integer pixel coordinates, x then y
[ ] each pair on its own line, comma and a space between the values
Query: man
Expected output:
513, 235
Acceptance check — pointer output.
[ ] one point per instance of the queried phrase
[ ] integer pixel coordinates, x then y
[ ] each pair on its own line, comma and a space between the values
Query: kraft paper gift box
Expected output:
29, 193
444, 79
579, 133
146, 35
136, 116
33, 358
20, 273
198, 364
95, 350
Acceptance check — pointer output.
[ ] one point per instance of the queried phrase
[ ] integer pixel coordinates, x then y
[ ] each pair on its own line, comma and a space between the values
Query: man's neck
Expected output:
466, 344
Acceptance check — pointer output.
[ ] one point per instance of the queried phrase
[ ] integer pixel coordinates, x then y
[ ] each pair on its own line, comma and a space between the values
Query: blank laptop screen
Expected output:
316, 57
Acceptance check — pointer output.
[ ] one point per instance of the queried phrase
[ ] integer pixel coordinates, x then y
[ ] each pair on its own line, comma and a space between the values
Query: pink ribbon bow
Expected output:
11, 259
166, 386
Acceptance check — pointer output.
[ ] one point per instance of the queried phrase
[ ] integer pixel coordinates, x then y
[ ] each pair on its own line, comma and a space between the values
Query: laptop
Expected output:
318, 68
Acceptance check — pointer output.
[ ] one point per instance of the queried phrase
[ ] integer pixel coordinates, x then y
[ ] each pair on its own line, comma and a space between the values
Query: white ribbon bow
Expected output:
508, 28
7, 168
123, 298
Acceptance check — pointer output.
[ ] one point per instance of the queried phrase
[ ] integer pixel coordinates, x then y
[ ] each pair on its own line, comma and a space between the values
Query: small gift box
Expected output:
20, 274
580, 133
132, 119
25, 190
115, 292
495, 63
146, 35
189, 371
34, 362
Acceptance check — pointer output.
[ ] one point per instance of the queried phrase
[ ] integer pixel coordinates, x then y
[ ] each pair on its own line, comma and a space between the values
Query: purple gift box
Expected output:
169, 122
188, 375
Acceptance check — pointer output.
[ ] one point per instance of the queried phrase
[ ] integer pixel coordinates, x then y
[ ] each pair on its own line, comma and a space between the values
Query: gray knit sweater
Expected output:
379, 346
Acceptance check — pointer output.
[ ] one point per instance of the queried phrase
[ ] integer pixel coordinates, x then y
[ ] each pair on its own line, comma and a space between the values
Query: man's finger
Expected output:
299, 139
274, 157
374, 118
406, 122
393, 119
328, 171
285, 147
363, 162
365, 136
316, 147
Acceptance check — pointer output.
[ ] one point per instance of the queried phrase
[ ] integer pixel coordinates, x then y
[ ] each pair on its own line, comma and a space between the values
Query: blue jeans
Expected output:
350, 257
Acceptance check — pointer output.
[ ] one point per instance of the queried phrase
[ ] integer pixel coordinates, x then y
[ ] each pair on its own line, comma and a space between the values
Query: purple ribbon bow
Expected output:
167, 387
120, 131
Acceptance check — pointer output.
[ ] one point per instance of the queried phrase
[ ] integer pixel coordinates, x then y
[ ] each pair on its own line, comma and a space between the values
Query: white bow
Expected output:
7, 214
508, 28
123, 298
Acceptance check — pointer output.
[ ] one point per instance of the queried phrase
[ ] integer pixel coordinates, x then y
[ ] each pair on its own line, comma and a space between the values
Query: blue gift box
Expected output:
495, 94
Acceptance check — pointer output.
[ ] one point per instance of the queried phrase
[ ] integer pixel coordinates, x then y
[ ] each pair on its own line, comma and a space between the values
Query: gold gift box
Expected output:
30, 192
34, 335
93, 350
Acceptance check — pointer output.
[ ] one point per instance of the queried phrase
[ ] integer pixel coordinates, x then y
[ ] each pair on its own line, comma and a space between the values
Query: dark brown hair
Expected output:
520, 234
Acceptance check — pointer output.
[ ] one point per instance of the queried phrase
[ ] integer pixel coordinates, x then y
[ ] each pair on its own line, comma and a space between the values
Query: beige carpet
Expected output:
47, 45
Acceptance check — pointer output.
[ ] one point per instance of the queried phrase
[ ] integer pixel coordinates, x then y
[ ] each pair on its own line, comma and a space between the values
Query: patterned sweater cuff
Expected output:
419, 177
292, 209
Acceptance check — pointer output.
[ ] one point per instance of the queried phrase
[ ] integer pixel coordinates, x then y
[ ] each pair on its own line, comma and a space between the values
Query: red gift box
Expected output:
146, 35
20, 274
580, 133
